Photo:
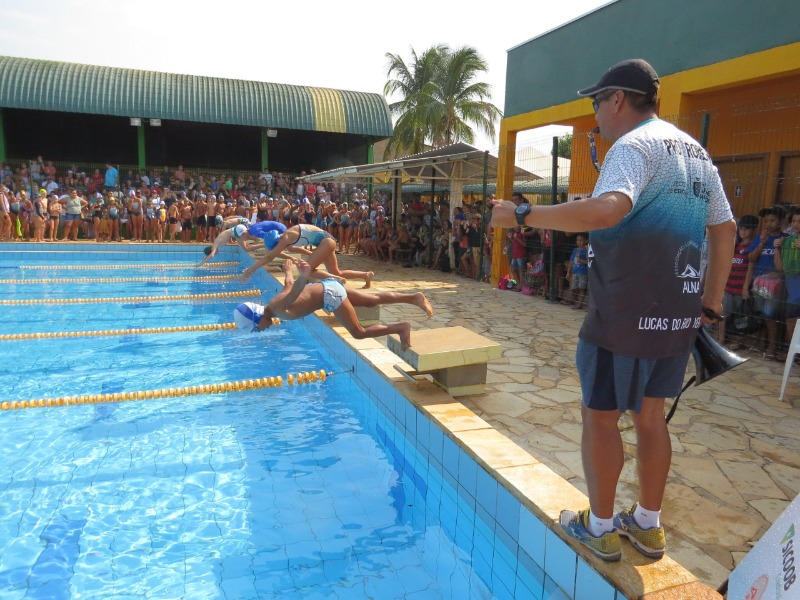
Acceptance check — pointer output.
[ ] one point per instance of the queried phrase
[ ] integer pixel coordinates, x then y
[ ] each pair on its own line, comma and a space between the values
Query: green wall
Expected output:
672, 35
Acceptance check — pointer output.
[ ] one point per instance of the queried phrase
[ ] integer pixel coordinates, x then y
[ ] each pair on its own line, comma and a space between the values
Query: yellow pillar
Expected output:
505, 186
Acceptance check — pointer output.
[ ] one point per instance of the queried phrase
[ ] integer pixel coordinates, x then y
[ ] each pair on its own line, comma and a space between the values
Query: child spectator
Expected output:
766, 278
787, 258
736, 294
519, 257
579, 272
487, 258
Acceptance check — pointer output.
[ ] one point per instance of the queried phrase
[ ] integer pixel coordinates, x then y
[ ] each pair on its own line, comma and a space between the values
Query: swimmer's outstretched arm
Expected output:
299, 250
291, 290
222, 239
266, 259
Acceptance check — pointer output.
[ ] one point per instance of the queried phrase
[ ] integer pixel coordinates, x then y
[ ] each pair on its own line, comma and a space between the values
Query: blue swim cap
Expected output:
271, 239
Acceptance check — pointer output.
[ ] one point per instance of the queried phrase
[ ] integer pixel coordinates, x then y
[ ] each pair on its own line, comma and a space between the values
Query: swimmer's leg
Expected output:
346, 315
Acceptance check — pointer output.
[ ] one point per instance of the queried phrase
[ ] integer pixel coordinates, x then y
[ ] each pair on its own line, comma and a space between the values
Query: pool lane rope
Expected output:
134, 266
55, 301
121, 279
193, 390
6, 337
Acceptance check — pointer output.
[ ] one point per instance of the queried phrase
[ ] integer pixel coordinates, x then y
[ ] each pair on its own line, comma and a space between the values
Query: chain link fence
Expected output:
756, 148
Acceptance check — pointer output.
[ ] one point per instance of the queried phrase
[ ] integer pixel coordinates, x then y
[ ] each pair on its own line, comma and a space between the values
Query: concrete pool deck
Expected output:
736, 448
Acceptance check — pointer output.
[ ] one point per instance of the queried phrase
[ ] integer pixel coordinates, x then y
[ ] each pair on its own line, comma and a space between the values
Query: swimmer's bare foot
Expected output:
421, 301
368, 278
405, 335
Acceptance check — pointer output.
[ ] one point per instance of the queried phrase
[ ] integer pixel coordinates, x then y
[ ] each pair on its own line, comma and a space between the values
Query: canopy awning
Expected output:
457, 161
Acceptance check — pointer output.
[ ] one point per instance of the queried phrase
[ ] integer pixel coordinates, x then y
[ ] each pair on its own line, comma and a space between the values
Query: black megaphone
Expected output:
710, 359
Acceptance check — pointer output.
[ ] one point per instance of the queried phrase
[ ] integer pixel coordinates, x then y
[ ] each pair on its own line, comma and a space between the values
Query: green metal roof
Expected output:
71, 87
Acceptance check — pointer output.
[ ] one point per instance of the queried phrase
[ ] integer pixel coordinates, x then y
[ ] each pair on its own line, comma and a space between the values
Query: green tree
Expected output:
440, 99
565, 145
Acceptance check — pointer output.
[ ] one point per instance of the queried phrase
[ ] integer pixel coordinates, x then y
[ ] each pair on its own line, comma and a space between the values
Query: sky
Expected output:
339, 45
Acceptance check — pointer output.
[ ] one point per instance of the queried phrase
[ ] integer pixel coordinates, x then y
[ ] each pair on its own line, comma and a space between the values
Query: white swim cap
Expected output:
247, 315
239, 230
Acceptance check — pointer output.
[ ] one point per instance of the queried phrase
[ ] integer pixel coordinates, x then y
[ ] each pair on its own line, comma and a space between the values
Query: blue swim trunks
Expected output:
333, 294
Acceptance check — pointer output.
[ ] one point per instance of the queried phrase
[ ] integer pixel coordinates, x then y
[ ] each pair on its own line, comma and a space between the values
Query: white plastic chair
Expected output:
794, 348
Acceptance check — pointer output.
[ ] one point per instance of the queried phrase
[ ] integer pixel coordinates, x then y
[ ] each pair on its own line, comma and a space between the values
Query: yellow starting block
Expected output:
455, 356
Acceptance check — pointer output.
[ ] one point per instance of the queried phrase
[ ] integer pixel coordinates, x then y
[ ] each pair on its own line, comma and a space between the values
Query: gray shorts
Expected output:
731, 304
614, 382
333, 294
579, 282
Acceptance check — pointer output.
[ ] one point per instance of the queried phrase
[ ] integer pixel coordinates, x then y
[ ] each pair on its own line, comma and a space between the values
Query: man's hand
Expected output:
288, 266
503, 214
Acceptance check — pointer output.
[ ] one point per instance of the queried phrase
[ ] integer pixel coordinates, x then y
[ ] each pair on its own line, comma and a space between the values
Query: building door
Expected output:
744, 180
788, 191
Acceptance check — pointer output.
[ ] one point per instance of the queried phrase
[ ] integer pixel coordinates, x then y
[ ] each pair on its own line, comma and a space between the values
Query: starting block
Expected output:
368, 315
455, 356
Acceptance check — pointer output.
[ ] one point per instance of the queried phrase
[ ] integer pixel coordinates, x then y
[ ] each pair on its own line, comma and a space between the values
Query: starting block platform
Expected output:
455, 356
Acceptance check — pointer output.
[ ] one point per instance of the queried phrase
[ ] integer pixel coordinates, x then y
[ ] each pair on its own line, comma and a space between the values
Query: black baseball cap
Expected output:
632, 75
749, 221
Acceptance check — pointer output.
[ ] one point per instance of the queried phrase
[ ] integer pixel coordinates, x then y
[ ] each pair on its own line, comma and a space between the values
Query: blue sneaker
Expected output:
576, 525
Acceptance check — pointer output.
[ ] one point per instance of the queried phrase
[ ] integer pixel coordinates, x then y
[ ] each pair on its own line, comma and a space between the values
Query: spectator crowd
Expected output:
38, 203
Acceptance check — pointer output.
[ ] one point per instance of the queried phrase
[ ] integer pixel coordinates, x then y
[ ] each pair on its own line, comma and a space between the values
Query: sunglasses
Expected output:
600, 98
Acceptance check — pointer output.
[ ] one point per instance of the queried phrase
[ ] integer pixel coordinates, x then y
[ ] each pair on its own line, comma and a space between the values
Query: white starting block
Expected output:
368, 315
455, 356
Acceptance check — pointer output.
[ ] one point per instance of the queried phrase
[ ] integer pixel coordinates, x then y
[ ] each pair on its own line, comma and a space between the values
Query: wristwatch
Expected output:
521, 212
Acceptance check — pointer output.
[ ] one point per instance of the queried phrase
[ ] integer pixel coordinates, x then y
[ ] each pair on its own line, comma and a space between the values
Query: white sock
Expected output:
598, 526
647, 518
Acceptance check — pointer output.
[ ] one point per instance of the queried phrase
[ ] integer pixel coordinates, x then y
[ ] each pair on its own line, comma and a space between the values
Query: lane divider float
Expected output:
193, 390
134, 266
7, 337
53, 301
122, 279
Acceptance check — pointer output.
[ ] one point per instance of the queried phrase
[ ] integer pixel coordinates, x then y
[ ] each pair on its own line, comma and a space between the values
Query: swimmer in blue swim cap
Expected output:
235, 229
299, 298
299, 238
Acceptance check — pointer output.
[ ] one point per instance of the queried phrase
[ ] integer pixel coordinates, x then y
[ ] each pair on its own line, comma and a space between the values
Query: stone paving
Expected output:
736, 448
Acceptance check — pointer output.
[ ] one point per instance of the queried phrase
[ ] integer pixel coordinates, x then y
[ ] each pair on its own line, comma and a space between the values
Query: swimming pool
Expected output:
200, 497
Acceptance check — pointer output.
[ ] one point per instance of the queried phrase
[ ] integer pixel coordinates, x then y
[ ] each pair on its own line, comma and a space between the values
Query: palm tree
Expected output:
439, 98
412, 83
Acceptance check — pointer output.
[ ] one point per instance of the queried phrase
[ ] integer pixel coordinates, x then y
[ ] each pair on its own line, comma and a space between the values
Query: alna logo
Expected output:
687, 267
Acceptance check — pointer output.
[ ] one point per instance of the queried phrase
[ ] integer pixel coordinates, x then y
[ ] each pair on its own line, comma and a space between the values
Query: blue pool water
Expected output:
314, 491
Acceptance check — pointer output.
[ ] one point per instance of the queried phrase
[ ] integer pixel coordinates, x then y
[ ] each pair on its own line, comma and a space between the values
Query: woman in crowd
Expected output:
72, 217
54, 209
113, 218
40, 216
136, 214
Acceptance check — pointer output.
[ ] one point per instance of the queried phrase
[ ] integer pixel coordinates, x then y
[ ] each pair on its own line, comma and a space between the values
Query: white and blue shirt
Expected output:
644, 272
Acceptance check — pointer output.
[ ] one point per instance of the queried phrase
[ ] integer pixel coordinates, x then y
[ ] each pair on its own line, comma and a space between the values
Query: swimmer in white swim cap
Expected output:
298, 298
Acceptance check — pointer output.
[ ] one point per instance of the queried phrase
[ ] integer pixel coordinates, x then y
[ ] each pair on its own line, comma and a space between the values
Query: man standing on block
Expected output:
657, 194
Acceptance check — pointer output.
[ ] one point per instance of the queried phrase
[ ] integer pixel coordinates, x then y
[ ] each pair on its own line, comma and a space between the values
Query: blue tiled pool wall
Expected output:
512, 551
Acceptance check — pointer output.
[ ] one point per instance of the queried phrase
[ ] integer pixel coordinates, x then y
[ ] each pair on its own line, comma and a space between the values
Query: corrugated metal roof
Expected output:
71, 87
